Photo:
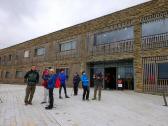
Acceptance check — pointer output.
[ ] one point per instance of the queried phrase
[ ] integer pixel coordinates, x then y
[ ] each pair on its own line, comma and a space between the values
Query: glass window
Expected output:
39, 51
68, 46
155, 27
114, 36
19, 74
7, 75
163, 71
26, 54
1, 74
10, 57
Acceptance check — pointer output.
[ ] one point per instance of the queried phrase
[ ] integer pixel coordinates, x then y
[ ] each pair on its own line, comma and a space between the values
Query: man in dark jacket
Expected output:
62, 78
98, 83
31, 78
76, 80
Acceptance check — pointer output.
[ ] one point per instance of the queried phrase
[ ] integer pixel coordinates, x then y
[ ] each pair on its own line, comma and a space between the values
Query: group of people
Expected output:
53, 80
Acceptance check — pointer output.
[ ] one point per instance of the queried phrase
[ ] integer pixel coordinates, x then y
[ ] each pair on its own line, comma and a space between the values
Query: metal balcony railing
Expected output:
155, 41
114, 47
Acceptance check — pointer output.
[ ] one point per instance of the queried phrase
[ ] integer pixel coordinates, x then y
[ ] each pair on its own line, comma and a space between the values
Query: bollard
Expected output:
164, 98
1, 100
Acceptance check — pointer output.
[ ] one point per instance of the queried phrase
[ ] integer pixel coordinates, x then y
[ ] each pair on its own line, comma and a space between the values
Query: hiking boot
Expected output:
43, 102
67, 96
30, 103
48, 107
60, 97
93, 98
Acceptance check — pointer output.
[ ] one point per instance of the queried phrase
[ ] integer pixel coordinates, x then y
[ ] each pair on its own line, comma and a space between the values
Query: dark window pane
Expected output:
163, 71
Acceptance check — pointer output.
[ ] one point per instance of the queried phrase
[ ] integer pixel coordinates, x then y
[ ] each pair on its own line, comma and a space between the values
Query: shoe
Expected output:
93, 98
67, 97
87, 99
43, 102
60, 97
48, 107
26, 103
29, 103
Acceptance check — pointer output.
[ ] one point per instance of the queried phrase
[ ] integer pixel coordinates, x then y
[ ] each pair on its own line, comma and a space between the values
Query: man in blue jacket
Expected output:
50, 86
62, 78
85, 85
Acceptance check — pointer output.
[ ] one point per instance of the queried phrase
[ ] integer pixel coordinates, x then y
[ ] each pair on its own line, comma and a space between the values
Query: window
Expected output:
1, 74
19, 74
39, 51
68, 46
10, 57
155, 27
163, 71
114, 36
7, 75
26, 54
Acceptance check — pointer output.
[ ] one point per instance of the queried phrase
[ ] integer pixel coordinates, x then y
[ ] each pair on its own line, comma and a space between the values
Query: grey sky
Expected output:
21, 20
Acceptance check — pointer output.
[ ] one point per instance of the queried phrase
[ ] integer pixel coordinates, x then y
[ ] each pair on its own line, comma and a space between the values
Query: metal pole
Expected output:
164, 98
1, 100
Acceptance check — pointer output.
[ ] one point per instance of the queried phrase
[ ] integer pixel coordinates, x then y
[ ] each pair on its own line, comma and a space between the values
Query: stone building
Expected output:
131, 44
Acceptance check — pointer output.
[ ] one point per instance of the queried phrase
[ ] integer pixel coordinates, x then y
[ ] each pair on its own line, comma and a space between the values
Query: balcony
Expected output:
114, 47
155, 41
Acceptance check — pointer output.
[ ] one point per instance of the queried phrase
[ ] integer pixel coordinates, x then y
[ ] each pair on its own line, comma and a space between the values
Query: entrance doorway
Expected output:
110, 78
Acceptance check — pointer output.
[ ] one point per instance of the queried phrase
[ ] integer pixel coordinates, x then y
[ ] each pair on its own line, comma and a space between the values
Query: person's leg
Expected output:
45, 95
84, 92
66, 96
74, 89
33, 88
87, 91
100, 88
27, 94
51, 99
77, 90
60, 91
95, 92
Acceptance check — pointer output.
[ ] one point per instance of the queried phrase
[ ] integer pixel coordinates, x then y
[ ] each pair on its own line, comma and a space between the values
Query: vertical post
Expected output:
164, 98
137, 57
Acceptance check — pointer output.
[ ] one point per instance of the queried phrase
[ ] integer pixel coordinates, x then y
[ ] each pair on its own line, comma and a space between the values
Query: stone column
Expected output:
138, 82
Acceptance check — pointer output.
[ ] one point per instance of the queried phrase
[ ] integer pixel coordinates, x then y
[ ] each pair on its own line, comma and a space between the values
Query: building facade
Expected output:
131, 44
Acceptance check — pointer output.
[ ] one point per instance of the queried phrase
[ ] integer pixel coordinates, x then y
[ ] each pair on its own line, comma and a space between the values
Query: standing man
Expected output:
62, 78
85, 85
31, 78
98, 83
76, 80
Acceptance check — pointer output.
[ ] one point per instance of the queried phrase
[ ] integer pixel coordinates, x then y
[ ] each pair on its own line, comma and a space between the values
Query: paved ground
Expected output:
117, 108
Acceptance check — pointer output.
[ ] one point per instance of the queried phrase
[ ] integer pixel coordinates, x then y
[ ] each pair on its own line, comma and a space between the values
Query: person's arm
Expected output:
37, 77
25, 77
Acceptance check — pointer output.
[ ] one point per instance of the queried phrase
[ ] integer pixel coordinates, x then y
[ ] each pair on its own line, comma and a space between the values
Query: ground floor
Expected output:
150, 74
117, 108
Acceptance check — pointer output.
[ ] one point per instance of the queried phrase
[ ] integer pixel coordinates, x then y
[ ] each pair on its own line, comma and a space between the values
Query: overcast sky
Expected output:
22, 20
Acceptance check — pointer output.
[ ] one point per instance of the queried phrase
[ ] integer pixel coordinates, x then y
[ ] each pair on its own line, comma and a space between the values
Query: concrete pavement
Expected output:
117, 108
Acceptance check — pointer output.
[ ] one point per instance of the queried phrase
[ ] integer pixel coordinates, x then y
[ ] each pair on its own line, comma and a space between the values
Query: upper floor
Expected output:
108, 35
